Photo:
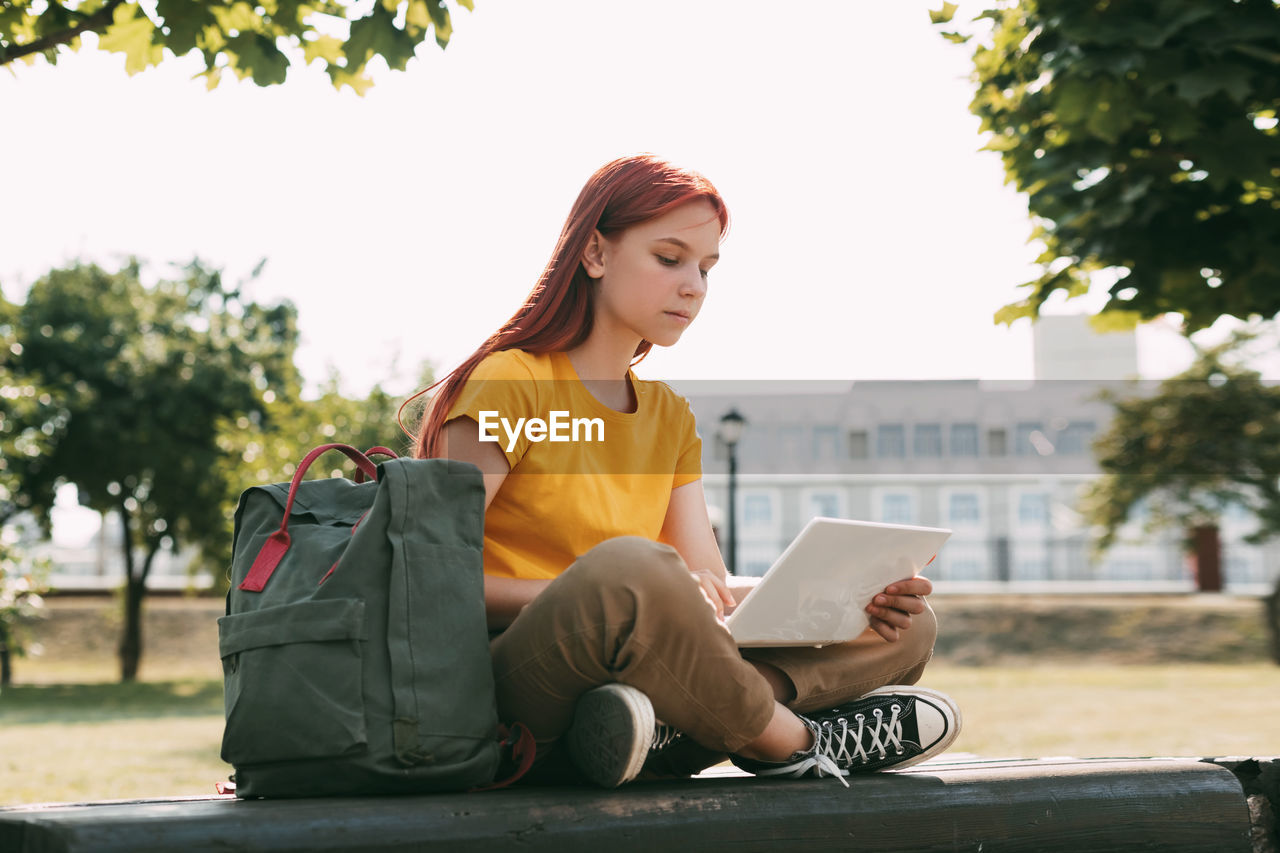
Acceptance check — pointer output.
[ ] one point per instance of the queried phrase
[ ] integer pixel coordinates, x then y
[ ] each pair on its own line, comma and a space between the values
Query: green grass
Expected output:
63, 743
1204, 710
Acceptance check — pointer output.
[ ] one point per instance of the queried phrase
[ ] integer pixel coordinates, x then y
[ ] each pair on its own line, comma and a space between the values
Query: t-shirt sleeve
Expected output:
689, 460
500, 387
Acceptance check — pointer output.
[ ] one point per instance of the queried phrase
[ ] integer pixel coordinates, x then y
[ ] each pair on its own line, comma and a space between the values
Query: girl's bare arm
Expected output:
504, 598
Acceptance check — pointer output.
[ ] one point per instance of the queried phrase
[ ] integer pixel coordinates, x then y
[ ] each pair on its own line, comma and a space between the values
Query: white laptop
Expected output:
817, 591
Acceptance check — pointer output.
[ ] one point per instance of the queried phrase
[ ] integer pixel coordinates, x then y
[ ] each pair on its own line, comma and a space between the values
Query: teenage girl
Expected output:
604, 585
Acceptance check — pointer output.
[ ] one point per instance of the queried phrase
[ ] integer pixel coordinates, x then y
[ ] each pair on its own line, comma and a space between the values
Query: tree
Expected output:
1144, 134
259, 40
1206, 440
137, 382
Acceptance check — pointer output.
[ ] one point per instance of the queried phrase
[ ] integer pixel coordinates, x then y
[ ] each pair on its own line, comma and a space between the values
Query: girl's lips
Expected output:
679, 315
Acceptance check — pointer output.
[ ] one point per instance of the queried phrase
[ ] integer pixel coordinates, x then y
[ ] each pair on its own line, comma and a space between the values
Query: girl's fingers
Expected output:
906, 603
891, 616
911, 586
885, 630
711, 592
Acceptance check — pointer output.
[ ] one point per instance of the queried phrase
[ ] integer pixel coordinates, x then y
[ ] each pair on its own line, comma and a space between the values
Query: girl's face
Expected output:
652, 277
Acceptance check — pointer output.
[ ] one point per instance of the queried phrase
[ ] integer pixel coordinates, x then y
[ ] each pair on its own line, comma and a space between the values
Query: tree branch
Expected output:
96, 22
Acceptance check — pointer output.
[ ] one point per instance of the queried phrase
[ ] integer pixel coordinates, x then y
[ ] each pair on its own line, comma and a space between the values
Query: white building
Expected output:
1003, 464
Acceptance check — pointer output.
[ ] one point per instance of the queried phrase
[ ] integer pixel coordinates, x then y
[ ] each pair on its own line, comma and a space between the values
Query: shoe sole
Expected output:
950, 713
610, 735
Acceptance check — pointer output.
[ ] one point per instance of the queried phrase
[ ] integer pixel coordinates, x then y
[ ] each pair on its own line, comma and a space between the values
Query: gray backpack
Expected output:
355, 652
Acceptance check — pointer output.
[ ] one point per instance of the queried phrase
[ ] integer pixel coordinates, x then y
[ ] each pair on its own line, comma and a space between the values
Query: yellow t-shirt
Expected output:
586, 474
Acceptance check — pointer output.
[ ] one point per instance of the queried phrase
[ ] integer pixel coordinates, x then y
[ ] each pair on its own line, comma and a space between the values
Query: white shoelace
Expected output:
832, 743
663, 736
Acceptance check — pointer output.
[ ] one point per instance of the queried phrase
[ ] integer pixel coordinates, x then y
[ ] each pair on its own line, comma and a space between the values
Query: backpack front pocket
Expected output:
293, 681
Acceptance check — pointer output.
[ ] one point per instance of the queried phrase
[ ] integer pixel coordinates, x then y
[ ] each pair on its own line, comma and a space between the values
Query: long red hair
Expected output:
558, 312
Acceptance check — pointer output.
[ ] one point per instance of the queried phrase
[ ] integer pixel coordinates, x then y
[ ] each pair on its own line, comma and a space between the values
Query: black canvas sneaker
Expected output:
614, 732
887, 729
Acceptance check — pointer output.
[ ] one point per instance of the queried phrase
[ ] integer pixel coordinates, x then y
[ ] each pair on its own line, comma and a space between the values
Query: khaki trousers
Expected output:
629, 611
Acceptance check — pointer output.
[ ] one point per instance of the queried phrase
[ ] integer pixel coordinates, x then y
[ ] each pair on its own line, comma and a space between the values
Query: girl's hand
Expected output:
715, 591
891, 610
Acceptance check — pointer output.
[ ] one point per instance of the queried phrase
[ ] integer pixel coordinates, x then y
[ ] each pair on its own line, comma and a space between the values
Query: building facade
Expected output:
1004, 464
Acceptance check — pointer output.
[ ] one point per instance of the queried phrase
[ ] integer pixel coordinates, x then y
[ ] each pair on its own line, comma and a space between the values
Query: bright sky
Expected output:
870, 240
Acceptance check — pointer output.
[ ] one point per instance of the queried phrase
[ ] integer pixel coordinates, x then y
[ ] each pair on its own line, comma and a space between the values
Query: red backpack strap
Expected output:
375, 451
277, 544
523, 748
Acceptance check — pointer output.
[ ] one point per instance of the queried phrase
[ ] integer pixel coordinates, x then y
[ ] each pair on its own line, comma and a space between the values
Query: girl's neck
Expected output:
603, 358
603, 366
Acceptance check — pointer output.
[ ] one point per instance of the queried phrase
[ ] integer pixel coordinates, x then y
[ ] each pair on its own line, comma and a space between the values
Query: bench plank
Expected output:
1041, 805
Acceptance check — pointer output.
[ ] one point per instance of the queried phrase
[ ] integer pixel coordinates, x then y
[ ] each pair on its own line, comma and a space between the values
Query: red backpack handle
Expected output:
277, 544
375, 451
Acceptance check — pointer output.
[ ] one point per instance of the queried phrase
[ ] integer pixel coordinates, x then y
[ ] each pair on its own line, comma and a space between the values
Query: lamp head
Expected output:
731, 425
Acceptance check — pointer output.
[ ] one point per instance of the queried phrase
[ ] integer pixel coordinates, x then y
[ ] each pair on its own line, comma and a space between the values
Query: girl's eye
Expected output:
705, 273
665, 261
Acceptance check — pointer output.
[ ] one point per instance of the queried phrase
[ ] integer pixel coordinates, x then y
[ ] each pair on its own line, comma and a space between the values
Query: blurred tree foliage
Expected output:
21, 584
162, 404
1144, 135
258, 40
21, 601
258, 451
1206, 440
135, 385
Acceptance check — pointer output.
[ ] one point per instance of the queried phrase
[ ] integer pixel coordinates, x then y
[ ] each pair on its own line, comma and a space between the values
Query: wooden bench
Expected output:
1030, 805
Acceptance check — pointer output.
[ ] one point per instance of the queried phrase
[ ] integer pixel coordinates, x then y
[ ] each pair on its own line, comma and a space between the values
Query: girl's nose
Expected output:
694, 284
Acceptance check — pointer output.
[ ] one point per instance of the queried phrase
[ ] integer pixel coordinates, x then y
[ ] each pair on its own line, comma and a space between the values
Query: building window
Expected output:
1028, 439
927, 441
1033, 509
858, 444
891, 441
896, 509
757, 510
963, 508
1076, 437
964, 439
825, 504
997, 442
826, 442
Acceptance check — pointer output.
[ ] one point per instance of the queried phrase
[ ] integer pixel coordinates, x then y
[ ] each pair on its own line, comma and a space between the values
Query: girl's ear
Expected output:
593, 255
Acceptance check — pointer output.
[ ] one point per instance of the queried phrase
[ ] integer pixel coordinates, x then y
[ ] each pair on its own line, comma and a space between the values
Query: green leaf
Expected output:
416, 15
1115, 320
943, 15
1013, 312
377, 33
326, 48
354, 79
238, 17
131, 33
255, 55
1109, 119
1179, 122
1074, 99
1226, 77
212, 77
184, 20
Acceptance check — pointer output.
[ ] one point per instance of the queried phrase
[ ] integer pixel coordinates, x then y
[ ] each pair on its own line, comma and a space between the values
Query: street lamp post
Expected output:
731, 424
